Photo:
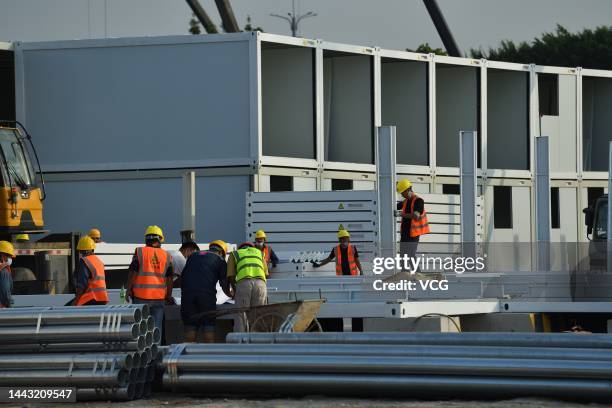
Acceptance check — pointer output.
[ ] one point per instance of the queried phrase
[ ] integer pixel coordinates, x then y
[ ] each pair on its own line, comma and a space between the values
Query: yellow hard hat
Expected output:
94, 233
220, 244
22, 237
7, 248
260, 234
343, 233
155, 230
403, 185
86, 244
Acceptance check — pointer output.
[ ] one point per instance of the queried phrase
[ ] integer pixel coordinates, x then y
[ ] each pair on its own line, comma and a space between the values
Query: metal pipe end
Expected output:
139, 390
154, 351
144, 326
128, 361
132, 374
141, 342
148, 390
146, 357
150, 323
122, 377
150, 373
148, 339
146, 312
135, 359
131, 391
142, 375
156, 335
135, 330
137, 315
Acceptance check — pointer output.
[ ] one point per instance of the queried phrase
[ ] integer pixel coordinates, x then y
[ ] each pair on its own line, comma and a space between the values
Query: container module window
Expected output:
502, 207
341, 184
281, 183
555, 212
548, 89
451, 189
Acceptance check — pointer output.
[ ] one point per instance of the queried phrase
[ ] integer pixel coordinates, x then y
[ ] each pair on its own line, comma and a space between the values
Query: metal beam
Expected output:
467, 165
542, 203
230, 25
202, 16
445, 34
385, 170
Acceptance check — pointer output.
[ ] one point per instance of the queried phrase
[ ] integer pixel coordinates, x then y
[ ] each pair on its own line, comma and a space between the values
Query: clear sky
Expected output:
396, 24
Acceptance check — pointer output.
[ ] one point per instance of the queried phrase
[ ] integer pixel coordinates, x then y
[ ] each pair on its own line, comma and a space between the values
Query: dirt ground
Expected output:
171, 401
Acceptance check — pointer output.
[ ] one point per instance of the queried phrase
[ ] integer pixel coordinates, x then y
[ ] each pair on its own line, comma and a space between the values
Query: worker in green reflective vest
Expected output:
247, 273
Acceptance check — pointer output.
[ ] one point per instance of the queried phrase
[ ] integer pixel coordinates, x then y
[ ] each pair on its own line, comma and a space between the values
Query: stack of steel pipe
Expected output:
105, 352
430, 365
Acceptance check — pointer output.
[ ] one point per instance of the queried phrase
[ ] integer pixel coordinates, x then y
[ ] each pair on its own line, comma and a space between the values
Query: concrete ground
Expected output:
171, 401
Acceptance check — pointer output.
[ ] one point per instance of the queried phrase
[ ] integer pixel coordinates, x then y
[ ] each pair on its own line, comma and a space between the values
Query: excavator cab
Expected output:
21, 195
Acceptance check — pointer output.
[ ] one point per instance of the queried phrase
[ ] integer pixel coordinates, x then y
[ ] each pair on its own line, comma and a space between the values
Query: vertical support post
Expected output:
468, 191
385, 171
189, 207
609, 226
542, 202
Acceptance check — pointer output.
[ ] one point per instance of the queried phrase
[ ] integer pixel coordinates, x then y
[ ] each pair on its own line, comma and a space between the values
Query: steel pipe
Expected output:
156, 336
150, 323
69, 315
59, 361
77, 378
107, 394
440, 387
68, 333
440, 339
148, 390
145, 357
144, 327
396, 365
154, 351
148, 339
139, 390
556, 353
150, 373
101, 346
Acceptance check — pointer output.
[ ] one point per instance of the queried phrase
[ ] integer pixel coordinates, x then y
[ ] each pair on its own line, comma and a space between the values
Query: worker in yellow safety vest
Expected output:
151, 275
345, 254
7, 253
91, 280
247, 273
269, 256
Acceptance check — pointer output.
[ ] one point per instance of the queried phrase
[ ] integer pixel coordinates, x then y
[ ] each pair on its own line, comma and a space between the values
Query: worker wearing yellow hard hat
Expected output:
7, 253
204, 271
151, 275
414, 223
95, 234
345, 254
269, 256
90, 276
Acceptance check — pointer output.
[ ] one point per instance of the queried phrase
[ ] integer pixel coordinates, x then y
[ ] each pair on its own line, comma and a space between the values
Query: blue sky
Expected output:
395, 24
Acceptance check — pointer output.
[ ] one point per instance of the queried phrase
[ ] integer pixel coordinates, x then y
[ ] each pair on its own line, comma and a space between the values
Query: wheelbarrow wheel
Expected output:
267, 323
314, 327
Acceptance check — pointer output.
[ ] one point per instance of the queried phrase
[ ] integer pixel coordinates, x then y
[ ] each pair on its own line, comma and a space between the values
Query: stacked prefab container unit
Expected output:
118, 122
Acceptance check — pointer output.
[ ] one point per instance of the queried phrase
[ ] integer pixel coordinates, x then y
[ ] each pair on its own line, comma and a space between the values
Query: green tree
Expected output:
194, 25
426, 49
588, 48
249, 26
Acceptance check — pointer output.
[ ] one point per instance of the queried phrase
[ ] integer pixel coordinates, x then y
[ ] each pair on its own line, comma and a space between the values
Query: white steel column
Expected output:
542, 203
385, 170
468, 142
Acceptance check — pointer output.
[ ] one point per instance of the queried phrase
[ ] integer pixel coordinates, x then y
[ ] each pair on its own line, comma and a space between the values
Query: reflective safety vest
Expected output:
249, 264
266, 254
150, 281
350, 253
96, 286
419, 227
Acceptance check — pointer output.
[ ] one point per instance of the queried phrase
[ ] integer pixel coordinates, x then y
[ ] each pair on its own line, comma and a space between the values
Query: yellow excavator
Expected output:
21, 192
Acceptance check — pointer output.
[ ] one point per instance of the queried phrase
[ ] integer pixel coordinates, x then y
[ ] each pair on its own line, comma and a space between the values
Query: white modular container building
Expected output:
118, 122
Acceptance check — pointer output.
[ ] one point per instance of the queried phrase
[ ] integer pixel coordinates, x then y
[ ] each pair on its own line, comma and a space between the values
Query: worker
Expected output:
247, 273
150, 277
345, 254
414, 218
202, 272
21, 238
179, 258
269, 256
91, 281
7, 253
95, 234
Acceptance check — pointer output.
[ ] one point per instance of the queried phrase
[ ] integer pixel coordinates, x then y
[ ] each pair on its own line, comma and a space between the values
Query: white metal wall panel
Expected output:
288, 102
507, 119
457, 103
568, 209
304, 184
364, 185
309, 221
348, 109
121, 209
404, 105
124, 106
563, 149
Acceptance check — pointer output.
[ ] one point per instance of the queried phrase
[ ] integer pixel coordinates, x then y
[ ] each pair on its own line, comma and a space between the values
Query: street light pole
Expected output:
293, 19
